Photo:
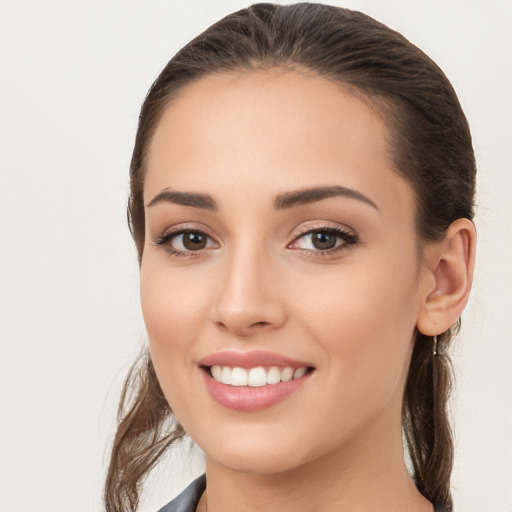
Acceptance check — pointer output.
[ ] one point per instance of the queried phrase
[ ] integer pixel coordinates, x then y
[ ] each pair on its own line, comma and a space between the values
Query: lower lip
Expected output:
248, 399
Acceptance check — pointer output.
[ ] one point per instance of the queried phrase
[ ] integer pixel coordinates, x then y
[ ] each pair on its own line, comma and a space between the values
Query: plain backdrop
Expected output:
73, 75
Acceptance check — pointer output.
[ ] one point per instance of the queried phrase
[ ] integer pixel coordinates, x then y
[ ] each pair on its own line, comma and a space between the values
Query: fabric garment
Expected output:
187, 501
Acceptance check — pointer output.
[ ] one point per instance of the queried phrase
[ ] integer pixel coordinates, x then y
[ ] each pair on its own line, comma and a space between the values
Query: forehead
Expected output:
276, 129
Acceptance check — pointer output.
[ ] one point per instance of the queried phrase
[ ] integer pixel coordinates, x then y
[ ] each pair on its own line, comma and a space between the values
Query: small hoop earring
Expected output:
435, 344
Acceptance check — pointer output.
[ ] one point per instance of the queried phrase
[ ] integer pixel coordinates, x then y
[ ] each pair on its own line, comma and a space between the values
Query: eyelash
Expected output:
349, 239
165, 239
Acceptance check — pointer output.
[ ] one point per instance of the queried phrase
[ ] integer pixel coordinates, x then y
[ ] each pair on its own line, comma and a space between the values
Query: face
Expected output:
279, 242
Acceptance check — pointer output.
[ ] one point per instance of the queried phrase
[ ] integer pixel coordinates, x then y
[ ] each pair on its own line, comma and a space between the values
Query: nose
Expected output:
249, 300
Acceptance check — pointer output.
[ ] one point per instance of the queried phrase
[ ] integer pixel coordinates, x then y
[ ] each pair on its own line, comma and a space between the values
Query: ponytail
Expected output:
146, 429
425, 419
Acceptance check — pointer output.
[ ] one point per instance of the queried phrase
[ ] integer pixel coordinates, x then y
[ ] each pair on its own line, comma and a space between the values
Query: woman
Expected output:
302, 190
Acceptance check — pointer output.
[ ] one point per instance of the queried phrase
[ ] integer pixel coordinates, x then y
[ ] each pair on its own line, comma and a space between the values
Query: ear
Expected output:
448, 268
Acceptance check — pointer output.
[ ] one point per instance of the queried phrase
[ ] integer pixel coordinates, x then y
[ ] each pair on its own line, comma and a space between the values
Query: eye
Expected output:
185, 241
324, 240
190, 241
321, 240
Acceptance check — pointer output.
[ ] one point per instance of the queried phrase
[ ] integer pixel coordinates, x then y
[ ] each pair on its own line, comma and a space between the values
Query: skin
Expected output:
243, 139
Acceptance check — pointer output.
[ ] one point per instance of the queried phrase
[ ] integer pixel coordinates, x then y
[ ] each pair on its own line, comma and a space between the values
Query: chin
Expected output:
255, 461
261, 452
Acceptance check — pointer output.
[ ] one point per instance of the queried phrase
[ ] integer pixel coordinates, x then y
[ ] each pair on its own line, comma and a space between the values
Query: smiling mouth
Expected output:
255, 377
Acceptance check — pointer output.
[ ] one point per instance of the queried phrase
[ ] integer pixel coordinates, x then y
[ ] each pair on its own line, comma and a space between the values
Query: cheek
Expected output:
172, 304
363, 297
173, 309
363, 317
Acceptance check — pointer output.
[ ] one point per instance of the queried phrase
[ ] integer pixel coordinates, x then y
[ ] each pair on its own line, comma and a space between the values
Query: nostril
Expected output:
259, 324
240, 329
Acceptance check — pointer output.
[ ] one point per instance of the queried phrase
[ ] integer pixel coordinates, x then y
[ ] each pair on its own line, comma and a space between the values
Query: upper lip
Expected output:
251, 359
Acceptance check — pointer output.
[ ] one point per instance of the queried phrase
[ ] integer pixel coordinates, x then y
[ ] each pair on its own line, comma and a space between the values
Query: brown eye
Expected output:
193, 240
323, 240
185, 242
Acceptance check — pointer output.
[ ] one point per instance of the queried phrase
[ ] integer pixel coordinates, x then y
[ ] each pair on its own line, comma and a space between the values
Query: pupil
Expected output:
194, 241
324, 241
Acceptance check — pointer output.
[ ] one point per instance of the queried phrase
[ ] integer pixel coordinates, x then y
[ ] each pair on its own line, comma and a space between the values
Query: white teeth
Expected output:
255, 377
286, 374
217, 372
226, 374
273, 375
239, 377
299, 372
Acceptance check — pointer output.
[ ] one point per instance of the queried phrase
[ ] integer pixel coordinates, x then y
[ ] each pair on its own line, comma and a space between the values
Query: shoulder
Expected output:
187, 501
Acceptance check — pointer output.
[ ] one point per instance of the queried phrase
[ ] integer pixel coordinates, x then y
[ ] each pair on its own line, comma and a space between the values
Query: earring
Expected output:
435, 344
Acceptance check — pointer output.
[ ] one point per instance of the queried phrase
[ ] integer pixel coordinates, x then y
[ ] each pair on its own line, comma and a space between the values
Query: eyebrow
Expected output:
281, 202
312, 195
192, 199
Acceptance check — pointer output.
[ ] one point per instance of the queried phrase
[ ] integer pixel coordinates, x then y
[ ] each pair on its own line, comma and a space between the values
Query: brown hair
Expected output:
431, 148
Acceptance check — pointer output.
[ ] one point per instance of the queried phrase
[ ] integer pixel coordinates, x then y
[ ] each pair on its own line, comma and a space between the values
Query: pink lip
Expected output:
246, 398
251, 360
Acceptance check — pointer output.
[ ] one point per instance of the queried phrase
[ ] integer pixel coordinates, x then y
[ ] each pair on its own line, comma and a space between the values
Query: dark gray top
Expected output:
187, 501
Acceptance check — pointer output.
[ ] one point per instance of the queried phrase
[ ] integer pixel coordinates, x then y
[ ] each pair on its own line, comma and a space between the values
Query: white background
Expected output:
72, 77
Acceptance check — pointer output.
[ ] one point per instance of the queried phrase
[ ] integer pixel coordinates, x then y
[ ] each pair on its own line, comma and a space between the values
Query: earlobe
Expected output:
450, 264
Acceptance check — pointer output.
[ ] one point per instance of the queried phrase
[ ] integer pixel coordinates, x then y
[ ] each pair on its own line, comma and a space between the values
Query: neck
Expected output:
367, 474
